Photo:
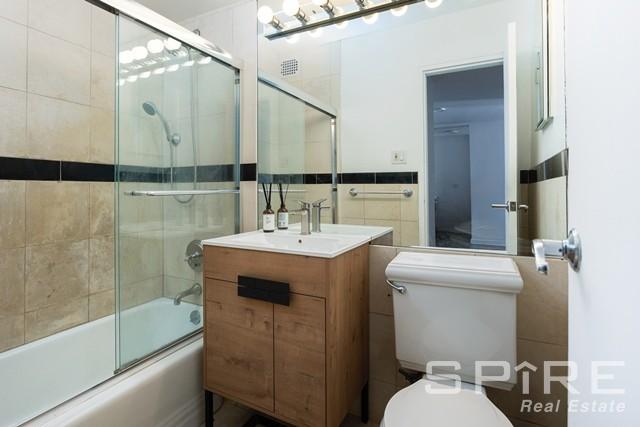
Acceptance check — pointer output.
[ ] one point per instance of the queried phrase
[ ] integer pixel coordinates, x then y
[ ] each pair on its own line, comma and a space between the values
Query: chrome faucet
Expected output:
316, 215
305, 217
196, 289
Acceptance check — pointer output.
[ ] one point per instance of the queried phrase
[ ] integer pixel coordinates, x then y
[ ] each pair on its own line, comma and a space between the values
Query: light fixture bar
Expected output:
383, 7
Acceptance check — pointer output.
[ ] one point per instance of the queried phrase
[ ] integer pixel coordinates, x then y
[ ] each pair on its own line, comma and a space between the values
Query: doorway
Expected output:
466, 158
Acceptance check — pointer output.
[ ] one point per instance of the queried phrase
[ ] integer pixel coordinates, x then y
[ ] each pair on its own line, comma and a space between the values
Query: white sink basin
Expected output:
291, 242
354, 230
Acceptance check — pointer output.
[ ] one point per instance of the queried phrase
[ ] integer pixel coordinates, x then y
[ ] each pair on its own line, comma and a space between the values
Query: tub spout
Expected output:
196, 289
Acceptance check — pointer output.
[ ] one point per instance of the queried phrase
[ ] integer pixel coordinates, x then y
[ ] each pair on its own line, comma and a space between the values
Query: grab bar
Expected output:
260, 190
406, 192
161, 193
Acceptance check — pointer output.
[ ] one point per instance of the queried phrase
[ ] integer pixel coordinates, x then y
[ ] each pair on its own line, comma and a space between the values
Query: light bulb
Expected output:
343, 24
172, 44
125, 57
292, 39
139, 53
145, 74
315, 33
155, 46
172, 68
399, 11
188, 63
265, 14
290, 7
370, 19
433, 3
205, 60
158, 70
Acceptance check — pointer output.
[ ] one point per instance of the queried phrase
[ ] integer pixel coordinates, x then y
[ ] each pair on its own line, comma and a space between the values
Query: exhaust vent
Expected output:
289, 67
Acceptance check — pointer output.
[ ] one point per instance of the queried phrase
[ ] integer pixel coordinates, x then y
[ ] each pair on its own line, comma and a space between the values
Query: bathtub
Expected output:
43, 374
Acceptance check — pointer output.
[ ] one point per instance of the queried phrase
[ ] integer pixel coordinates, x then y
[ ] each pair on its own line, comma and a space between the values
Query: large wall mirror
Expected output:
443, 119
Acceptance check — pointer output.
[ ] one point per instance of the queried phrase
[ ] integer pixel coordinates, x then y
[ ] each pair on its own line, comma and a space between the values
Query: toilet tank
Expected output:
458, 308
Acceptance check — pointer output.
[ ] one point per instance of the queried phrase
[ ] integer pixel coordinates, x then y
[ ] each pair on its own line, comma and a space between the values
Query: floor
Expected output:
232, 414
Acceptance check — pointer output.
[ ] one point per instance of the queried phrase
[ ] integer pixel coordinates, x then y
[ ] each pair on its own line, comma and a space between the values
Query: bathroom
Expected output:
253, 212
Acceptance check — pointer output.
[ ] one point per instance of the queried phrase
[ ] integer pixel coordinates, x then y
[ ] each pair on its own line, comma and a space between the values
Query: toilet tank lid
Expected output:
489, 273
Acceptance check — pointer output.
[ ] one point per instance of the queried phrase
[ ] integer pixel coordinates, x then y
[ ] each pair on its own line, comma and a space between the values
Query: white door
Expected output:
603, 105
511, 139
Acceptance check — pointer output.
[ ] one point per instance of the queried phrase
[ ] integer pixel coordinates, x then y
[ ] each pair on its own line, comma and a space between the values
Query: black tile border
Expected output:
248, 172
92, 172
555, 166
343, 178
29, 169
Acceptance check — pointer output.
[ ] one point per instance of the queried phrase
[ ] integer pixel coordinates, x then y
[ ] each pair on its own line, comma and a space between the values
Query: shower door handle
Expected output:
510, 206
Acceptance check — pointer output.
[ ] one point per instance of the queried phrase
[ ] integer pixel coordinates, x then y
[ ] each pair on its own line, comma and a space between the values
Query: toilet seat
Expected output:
415, 406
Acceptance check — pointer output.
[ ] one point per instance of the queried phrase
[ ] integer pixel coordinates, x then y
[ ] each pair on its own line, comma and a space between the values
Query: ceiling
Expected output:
180, 10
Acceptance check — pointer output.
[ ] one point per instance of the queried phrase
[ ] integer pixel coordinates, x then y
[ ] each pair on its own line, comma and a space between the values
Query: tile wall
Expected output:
57, 98
541, 335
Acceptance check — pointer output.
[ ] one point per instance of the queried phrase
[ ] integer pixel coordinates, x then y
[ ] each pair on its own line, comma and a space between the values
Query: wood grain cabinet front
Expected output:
304, 363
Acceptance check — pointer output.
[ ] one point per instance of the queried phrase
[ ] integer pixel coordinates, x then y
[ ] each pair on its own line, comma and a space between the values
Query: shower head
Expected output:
151, 109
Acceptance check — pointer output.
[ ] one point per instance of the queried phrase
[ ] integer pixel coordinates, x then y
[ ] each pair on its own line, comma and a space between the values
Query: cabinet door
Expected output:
299, 339
239, 346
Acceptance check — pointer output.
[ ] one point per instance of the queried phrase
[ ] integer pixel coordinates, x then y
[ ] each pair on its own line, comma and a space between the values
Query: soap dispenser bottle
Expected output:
283, 213
268, 216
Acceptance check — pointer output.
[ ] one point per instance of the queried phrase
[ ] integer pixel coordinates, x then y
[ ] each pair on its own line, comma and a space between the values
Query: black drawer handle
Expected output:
264, 290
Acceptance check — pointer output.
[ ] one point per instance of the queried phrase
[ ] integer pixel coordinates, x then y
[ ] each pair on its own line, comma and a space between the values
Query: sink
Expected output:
373, 232
291, 242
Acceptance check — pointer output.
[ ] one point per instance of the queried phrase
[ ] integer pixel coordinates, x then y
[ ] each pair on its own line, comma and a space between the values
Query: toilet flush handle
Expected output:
399, 288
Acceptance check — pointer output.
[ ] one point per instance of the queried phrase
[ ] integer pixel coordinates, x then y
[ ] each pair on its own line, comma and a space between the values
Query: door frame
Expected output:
423, 180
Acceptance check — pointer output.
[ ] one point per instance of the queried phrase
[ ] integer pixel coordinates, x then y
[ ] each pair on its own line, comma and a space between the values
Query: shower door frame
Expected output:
156, 22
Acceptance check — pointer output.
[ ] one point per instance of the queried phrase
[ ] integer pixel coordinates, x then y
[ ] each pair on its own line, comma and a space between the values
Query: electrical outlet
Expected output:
398, 158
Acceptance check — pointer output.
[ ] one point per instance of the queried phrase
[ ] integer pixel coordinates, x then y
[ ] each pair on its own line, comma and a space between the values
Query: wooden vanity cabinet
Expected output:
304, 363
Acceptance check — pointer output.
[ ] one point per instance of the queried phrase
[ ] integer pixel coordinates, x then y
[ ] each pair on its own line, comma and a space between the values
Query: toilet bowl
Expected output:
428, 403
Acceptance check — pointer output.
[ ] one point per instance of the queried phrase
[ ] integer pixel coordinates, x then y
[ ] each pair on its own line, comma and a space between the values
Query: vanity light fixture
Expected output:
139, 53
364, 5
266, 16
327, 6
399, 11
172, 44
292, 8
343, 24
432, 4
155, 46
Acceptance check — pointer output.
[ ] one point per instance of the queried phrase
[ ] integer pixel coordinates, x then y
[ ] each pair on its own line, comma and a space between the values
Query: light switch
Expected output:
398, 157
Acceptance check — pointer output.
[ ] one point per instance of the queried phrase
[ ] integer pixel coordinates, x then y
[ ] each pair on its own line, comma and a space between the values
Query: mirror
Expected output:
443, 119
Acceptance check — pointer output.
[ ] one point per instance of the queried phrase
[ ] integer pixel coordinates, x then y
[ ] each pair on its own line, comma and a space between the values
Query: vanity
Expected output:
286, 323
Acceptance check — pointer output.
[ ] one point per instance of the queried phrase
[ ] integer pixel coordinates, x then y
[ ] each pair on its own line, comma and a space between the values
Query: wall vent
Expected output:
289, 67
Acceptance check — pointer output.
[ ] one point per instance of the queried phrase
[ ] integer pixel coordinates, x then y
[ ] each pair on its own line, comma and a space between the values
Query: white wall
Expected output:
388, 65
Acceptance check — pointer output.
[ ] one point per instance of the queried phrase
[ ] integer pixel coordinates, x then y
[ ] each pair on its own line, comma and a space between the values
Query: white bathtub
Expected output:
43, 374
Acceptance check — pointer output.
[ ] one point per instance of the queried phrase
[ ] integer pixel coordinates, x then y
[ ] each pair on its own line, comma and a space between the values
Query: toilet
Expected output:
457, 308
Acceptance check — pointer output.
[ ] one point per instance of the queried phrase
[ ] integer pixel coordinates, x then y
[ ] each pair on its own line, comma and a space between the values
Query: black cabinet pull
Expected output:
264, 290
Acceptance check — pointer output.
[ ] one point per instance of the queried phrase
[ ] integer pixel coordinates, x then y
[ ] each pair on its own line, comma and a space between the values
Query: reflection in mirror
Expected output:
439, 116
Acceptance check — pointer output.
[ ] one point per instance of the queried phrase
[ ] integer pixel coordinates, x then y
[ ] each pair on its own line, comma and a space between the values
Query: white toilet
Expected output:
458, 308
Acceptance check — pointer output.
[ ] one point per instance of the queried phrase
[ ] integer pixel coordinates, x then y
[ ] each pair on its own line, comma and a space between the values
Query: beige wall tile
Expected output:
510, 402
13, 44
380, 299
11, 282
13, 123
57, 129
102, 146
101, 304
396, 225
56, 318
101, 264
175, 242
382, 354
56, 273
58, 69
410, 232
351, 221
103, 32
141, 256
349, 206
174, 285
101, 208
543, 302
12, 214
386, 207
548, 209
102, 81
57, 211
11, 331
69, 20
15, 10
409, 207
140, 292
249, 205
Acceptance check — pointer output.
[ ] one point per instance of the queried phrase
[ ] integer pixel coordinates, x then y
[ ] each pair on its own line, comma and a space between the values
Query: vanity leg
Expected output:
208, 408
364, 404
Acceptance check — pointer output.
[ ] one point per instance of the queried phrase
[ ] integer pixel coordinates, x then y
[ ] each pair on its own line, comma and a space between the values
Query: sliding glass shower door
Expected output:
177, 170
